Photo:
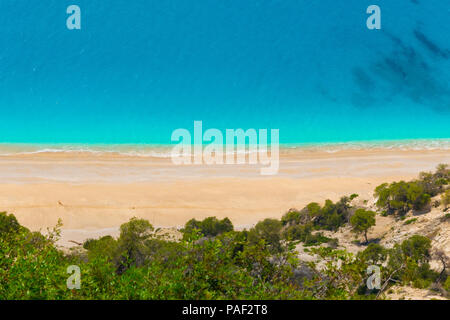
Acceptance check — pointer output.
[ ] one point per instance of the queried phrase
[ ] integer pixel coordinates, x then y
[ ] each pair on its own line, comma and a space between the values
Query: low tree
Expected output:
131, 244
362, 221
417, 248
400, 197
8, 224
268, 230
209, 227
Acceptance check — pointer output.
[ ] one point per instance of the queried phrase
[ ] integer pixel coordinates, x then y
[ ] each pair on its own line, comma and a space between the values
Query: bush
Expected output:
292, 217
374, 254
209, 227
104, 247
362, 221
8, 224
410, 221
417, 248
318, 238
268, 230
447, 284
400, 197
131, 247
410, 261
298, 232
329, 217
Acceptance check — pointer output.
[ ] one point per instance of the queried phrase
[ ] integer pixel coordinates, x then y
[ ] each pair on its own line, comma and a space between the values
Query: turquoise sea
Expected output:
137, 70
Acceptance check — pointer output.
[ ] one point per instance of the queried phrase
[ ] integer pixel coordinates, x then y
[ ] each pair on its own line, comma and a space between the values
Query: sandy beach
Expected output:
94, 193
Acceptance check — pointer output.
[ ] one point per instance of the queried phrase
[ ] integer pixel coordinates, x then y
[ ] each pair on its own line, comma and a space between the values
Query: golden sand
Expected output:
93, 194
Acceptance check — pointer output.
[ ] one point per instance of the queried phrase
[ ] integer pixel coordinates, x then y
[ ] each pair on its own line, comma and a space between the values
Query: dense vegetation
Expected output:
401, 197
214, 261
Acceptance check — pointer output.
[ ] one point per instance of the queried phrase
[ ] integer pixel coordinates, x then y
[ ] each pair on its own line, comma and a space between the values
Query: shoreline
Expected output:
163, 150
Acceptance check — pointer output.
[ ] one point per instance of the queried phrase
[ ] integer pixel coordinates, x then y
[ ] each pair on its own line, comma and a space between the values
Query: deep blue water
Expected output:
139, 69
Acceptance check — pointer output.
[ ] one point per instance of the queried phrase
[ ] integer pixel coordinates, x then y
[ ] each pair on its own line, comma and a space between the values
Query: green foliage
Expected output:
333, 215
303, 233
400, 197
410, 221
8, 224
417, 248
292, 217
362, 221
30, 265
447, 284
318, 238
299, 232
301, 225
341, 276
209, 227
269, 231
132, 247
374, 254
411, 261
329, 217
231, 265
103, 247
139, 266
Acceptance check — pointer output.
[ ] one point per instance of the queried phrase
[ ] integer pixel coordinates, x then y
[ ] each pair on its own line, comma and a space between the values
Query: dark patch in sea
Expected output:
405, 73
362, 79
430, 45
363, 98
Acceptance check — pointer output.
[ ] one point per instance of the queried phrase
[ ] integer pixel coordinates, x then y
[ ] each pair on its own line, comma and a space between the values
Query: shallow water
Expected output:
137, 70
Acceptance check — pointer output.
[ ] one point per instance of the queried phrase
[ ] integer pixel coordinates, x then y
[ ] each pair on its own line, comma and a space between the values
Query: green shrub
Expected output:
447, 284
362, 221
417, 247
104, 247
209, 227
291, 217
374, 254
8, 224
298, 232
268, 230
410, 262
318, 238
329, 217
410, 221
400, 197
